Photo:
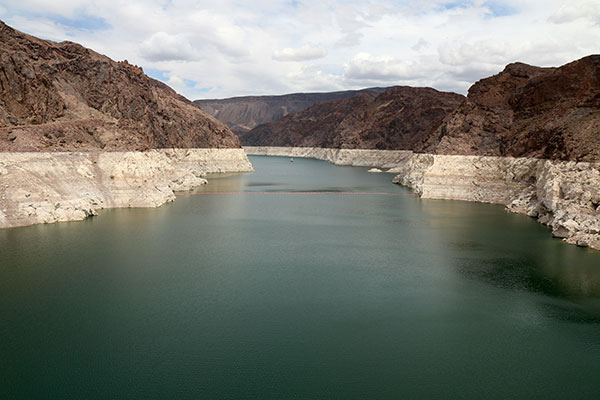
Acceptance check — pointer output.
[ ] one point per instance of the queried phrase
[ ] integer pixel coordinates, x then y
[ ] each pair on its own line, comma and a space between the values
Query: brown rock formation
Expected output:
62, 96
395, 119
527, 111
242, 114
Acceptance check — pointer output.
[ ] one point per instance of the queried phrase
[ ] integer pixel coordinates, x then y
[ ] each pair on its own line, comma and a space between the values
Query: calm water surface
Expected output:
306, 296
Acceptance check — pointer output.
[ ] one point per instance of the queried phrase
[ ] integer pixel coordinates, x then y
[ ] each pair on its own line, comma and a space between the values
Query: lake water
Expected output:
275, 294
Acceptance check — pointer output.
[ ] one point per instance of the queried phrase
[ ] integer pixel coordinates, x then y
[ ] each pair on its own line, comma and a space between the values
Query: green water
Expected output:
304, 296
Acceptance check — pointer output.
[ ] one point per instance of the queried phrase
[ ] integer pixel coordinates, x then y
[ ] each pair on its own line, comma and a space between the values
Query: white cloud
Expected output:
420, 45
44, 28
304, 53
65, 8
364, 66
164, 47
463, 53
575, 11
226, 48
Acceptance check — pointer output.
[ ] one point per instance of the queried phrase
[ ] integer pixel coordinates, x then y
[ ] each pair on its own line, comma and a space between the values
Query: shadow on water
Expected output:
514, 274
515, 253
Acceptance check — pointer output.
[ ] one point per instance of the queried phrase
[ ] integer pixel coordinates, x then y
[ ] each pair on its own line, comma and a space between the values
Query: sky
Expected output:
225, 48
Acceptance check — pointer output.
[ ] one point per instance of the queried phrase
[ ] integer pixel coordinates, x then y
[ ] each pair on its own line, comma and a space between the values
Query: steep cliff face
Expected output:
563, 195
62, 96
395, 119
42, 187
349, 157
525, 111
242, 114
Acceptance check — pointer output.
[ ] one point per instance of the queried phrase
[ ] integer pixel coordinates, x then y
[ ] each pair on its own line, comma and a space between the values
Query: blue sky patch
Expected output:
453, 5
498, 9
156, 74
82, 22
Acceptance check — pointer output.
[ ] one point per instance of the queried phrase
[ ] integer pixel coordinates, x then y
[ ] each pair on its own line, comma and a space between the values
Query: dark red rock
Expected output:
395, 119
527, 111
242, 114
62, 96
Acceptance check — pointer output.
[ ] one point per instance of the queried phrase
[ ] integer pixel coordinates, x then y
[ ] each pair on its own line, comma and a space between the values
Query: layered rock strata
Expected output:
352, 157
51, 187
563, 195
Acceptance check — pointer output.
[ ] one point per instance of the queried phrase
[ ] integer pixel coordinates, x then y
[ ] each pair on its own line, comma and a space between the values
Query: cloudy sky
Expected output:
223, 48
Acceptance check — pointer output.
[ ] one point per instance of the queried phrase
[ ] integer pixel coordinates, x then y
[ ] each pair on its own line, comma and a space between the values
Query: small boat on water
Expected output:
291, 159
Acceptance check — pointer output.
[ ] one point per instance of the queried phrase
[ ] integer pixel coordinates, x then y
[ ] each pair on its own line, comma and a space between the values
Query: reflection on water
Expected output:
298, 296
512, 251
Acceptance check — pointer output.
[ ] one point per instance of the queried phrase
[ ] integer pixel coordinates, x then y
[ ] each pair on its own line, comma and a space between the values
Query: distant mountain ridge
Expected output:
527, 111
241, 114
398, 118
523, 111
63, 96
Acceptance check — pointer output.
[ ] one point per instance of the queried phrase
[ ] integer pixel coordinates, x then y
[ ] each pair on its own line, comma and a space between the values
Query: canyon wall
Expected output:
353, 157
526, 111
396, 119
565, 195
65, 97
241, 114
41, 187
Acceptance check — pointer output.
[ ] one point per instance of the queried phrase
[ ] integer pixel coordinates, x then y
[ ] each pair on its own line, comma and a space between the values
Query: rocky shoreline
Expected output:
563, 195
46, 187
352, 157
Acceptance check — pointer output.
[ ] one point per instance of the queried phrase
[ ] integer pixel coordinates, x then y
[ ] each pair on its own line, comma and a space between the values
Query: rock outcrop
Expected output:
526, 111
47, 187
528, 138
64, 97
562, 195
396, 119
72, 126
241, 114
348, 157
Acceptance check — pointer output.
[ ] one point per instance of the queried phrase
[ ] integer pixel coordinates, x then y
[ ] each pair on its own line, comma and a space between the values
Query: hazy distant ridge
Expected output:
242, 114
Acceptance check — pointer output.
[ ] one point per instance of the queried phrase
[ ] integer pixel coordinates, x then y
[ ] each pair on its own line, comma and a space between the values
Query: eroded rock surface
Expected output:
562, 195
527, 111
352, 157
241, 114
50, 187
396, 119
65, 97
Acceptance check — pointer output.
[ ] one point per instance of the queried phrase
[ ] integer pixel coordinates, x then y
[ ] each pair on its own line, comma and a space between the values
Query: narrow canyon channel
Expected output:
299, 280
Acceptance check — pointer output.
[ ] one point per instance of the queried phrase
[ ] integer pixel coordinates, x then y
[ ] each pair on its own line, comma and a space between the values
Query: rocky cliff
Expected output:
64, 97
72, 122
528, 138
242, 114
44, 187
526, 111
563, 195
398, 118
350, 157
